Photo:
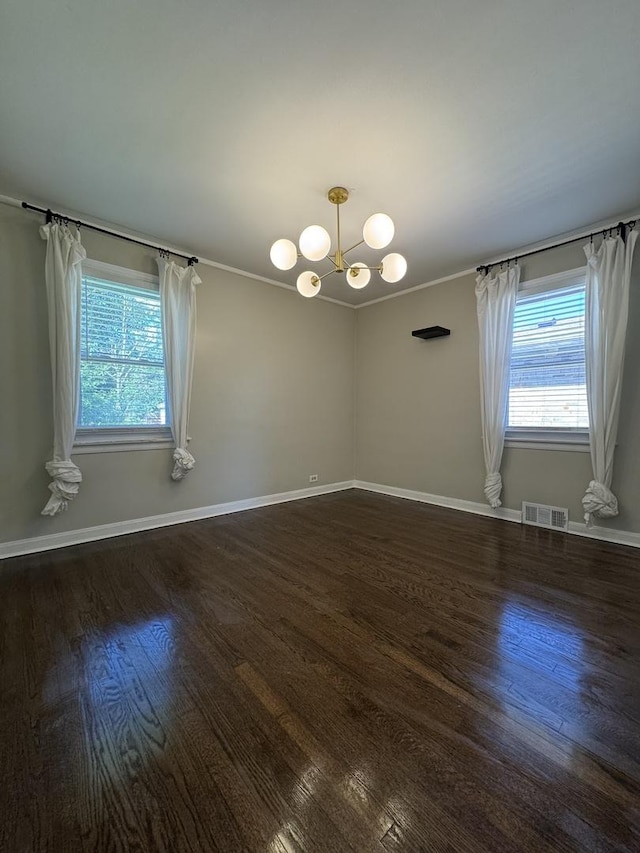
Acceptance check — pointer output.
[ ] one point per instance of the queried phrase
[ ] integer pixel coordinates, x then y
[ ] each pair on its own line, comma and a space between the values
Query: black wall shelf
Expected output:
431, 332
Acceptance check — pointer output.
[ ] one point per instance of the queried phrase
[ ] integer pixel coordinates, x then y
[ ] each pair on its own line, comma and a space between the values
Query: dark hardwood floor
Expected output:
345, 673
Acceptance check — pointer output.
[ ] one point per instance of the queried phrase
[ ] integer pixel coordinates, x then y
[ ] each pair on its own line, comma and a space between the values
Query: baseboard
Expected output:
35, 544
441, 500
604, 534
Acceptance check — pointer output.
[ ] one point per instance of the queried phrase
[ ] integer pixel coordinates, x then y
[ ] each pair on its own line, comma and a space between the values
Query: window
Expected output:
547, 388
122, 376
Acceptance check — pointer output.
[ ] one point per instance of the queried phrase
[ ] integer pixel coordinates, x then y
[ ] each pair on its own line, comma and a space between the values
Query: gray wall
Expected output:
418, 405
273, 399
272, 395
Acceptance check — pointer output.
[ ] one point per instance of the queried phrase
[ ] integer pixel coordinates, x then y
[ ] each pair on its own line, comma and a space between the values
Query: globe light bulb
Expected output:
358, 276
393, 268
284, 254
314, 243
378, 231
308, 284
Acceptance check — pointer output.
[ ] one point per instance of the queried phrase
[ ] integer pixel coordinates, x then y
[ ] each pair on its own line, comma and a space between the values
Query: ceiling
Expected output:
480, 127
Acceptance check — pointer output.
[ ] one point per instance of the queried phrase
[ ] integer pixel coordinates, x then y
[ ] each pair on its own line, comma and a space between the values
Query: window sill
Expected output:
577, 441
117, 440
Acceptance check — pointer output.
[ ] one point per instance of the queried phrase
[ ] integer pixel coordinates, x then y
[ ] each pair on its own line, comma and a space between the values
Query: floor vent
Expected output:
541, 515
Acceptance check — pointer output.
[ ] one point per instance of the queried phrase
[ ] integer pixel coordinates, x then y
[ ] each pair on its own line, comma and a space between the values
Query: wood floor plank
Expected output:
347, 673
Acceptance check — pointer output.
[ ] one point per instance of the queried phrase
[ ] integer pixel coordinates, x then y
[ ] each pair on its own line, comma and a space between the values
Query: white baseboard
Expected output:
441, 500
35, 544
605, 534
21, 547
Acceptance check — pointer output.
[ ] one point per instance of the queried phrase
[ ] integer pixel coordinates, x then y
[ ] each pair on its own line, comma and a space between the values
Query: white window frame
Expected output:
115, 439
531, 438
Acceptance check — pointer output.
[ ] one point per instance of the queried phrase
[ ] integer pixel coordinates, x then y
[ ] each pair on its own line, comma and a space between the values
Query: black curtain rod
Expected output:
66, 219
621, 227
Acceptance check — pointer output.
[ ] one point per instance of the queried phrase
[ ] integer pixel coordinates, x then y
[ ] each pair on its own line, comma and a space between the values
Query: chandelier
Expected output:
315, 245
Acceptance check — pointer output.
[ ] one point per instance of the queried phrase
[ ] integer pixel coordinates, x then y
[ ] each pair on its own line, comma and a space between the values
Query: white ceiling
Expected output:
478, 126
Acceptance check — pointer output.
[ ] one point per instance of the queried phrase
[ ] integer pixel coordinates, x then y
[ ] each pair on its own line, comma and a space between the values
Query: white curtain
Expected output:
63, 277
496, 301
606, 310
178, 301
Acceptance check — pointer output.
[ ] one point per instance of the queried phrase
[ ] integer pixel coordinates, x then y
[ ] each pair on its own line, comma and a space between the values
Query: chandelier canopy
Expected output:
315, 245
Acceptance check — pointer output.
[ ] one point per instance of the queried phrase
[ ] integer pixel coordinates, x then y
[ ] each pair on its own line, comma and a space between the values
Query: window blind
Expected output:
547, 379
122, 378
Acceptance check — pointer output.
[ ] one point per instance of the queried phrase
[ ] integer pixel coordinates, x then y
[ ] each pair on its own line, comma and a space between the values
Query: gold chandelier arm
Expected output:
355, 246
320, 277
378, 268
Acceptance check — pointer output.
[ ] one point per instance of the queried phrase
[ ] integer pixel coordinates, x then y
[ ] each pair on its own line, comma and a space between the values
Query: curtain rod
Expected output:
191, 259
621, 228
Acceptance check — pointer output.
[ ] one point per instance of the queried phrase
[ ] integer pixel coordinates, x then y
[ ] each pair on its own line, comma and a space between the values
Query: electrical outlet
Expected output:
313, 478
